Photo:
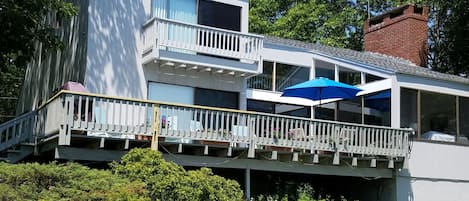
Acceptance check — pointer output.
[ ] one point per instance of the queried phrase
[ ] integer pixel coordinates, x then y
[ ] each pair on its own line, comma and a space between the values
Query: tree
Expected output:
448, 36
337, 23
168, 181
65, 182
24, 24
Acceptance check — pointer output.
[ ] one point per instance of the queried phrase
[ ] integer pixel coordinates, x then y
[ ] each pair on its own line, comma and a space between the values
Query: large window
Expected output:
215, 98
278, 108
349, 76
325, 111
219, 15
288, 75
409, 108
170, 93
324, 69
464, 119
377, 108
438, 113
285, 76
264, 80
350, 110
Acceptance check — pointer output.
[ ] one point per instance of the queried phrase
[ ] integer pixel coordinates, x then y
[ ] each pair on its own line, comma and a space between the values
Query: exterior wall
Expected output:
50, 70
436, 172
114, 50
207, 80
404, 36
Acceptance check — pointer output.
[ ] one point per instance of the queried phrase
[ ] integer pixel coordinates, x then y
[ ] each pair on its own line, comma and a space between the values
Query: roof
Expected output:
381, 61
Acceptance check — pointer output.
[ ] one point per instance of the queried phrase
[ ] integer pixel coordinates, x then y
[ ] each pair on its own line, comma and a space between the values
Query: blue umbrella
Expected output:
321, 88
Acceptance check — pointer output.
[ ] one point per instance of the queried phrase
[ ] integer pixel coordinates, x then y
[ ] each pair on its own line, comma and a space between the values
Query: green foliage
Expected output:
168, 181
24, 24
65, 182
449, 40
304, 192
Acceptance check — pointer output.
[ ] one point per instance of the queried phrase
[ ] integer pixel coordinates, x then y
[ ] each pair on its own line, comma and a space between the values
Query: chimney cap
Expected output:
417, 9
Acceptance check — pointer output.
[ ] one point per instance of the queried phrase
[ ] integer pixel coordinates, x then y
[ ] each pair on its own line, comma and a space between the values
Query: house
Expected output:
186, 77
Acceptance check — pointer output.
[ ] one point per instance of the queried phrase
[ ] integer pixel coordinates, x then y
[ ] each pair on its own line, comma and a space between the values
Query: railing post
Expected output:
65, 135
252, 137
156, 120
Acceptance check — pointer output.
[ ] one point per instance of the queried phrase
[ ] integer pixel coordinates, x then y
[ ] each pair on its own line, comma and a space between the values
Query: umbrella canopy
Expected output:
321, 88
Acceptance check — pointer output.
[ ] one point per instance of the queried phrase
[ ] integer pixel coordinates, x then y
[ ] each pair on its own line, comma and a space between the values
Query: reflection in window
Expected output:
264, 80
438, 113
325, 111
278, 108
409, 108
324, 69
464, 119
371, 78
377, 108
350, 110
349, 76
288, 75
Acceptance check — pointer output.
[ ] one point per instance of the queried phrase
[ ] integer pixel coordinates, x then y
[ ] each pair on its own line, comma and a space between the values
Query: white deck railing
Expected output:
131, 118
193, 38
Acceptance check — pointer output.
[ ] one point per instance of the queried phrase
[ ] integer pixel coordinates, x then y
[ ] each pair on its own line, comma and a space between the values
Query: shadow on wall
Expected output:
51, 69
113, 60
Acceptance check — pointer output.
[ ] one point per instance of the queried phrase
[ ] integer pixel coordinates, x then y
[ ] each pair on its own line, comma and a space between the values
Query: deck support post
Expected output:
65, 135
156, 121
247, 181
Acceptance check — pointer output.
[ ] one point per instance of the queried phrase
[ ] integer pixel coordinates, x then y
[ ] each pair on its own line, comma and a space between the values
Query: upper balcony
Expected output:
193, 45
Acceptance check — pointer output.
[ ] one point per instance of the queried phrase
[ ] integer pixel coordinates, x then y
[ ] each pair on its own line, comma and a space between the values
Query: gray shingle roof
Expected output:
389, 63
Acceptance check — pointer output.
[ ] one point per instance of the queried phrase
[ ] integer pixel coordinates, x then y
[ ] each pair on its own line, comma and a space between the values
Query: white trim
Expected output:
432, 85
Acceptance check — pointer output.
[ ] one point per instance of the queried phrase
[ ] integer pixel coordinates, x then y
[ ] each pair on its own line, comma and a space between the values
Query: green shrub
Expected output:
65, 182
168, 181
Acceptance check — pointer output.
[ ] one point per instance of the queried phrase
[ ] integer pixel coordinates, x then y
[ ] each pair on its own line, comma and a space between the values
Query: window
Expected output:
278, 108
215, 98
325, 111
438, 113
219, 15
349, 76
170, 93
350, 110
409, 108
264, 80
372, 78
324, 69
288, 75
377, 108
464, 119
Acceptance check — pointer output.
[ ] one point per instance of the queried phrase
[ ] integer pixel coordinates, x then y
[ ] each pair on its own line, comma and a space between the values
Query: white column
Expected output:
395, 103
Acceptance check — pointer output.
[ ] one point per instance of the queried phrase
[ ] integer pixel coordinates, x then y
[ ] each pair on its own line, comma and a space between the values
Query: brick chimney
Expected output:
401, 32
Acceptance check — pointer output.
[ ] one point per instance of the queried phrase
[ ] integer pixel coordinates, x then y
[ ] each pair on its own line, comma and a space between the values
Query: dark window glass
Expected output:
264, 80
438, 113
349, 76
409, 108
371, 78
220, 15
324, 69
350, 110
278, 108
463, 119
214, 98
288, 75
377, 108
261, 106
325, 111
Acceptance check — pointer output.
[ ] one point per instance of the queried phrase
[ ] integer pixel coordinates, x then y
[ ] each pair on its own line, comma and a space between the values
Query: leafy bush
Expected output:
65, 182
168, 181
304, 193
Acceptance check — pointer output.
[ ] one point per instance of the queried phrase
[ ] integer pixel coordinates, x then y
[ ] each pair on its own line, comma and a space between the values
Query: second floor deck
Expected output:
198, 45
